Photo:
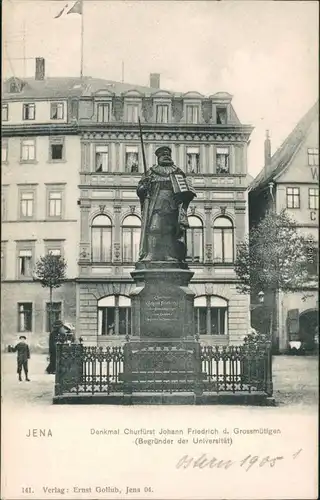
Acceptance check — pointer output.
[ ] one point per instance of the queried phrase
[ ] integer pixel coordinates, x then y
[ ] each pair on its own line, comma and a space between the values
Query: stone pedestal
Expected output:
162, 354
162, 303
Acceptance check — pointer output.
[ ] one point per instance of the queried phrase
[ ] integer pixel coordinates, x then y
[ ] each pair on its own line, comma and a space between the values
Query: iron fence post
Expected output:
57, 385
269, 387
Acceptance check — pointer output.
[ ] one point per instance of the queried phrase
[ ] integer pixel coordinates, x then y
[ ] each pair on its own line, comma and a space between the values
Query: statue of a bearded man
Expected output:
165, 196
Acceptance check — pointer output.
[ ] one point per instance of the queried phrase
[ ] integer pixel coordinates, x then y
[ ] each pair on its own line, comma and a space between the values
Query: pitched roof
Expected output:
69, 87
285, 152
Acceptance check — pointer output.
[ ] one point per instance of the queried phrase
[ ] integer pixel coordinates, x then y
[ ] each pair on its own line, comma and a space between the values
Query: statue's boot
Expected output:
151, 255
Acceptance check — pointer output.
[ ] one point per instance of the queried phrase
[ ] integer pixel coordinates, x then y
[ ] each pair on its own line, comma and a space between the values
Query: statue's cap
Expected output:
163, 150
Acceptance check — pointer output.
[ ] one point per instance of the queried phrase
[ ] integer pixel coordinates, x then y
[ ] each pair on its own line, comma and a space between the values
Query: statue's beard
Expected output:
165, 161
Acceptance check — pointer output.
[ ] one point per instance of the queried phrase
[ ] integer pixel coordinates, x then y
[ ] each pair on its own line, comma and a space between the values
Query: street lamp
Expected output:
261, 297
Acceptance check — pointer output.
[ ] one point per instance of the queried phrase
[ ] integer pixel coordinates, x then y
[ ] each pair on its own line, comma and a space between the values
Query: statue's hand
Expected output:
143, 189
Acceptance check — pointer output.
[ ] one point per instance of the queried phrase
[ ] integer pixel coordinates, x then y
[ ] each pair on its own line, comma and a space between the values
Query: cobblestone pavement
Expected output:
295, 380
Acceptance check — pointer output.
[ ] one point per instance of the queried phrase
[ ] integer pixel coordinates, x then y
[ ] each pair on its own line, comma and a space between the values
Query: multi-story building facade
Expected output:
41, 155
102, 230
290, 181
209, 143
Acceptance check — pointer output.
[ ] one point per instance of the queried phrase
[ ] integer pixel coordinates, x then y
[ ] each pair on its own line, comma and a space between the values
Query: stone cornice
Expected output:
172, 131
39, 129
180, 135
123, 131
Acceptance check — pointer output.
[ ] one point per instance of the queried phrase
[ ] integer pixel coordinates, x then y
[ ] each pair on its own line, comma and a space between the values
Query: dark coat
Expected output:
23, 351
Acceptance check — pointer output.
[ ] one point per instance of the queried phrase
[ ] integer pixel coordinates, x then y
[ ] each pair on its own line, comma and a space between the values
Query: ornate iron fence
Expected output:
246, 368
96, 370
88, 370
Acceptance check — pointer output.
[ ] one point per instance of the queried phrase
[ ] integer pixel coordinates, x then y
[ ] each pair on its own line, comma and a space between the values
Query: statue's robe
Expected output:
164, 215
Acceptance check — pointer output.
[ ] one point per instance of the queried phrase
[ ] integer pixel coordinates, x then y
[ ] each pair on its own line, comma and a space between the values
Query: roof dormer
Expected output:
132, 105
192, 107
14, 85
221, 108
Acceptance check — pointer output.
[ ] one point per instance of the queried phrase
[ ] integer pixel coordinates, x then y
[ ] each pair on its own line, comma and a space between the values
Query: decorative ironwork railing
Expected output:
237, 368
82, 369
231, 369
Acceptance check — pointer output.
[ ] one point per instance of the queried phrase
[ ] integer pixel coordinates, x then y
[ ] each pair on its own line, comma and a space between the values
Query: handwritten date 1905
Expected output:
246, 463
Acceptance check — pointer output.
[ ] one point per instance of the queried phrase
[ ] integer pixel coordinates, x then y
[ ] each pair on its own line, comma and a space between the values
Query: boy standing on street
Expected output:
23, 354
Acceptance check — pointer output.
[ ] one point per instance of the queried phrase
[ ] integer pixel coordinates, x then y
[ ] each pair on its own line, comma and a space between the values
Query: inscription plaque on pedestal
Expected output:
161, 311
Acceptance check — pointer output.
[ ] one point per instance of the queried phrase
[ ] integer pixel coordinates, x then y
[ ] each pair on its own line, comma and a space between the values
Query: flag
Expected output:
61, 11
76, 9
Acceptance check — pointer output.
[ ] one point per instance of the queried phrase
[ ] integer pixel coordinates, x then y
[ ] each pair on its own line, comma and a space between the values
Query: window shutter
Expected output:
293, 321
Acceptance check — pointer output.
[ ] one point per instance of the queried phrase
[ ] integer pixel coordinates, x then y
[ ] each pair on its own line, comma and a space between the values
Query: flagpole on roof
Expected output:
77, 8
82, 38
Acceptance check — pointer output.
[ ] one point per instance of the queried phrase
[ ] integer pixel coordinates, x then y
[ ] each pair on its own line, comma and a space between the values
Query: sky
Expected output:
264, 53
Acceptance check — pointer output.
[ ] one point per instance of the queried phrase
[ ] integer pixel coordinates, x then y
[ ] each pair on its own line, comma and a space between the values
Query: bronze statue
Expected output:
165, 196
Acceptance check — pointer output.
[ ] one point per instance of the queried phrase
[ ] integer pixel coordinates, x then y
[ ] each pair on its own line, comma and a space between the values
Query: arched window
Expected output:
101, 239
131, 238
223, 240
211, 315
195, 240
114, 315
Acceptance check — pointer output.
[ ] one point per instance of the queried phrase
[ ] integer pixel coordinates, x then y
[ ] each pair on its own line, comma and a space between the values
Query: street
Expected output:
295, 380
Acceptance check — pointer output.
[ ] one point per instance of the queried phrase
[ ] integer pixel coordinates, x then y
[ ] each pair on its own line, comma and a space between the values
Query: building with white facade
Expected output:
290, 180
78, 139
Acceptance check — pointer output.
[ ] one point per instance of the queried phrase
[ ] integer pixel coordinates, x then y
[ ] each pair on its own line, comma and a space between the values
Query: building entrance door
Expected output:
309, 329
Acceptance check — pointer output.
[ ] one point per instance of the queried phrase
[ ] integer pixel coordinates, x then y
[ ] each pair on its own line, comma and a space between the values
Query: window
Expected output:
210, 315
4, 114
132, 113
313, 156
54, 247
28, 150
162, 113
55, 204
24, 316
57, 110
131, 238
221, 115
102, 159
193, 160
56, 149
55, 315
192, 113
114, 315
74, 109
293, 197
25, 263
223, 240
132, 159
29, 111
55, 252
222, 160
27, 204
101, 239
195, 240
4, 151
103, 113
314, 198
15, 86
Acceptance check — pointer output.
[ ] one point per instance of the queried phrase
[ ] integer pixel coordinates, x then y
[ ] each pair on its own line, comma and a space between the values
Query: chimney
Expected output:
40, 68
155, 80
267, 150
